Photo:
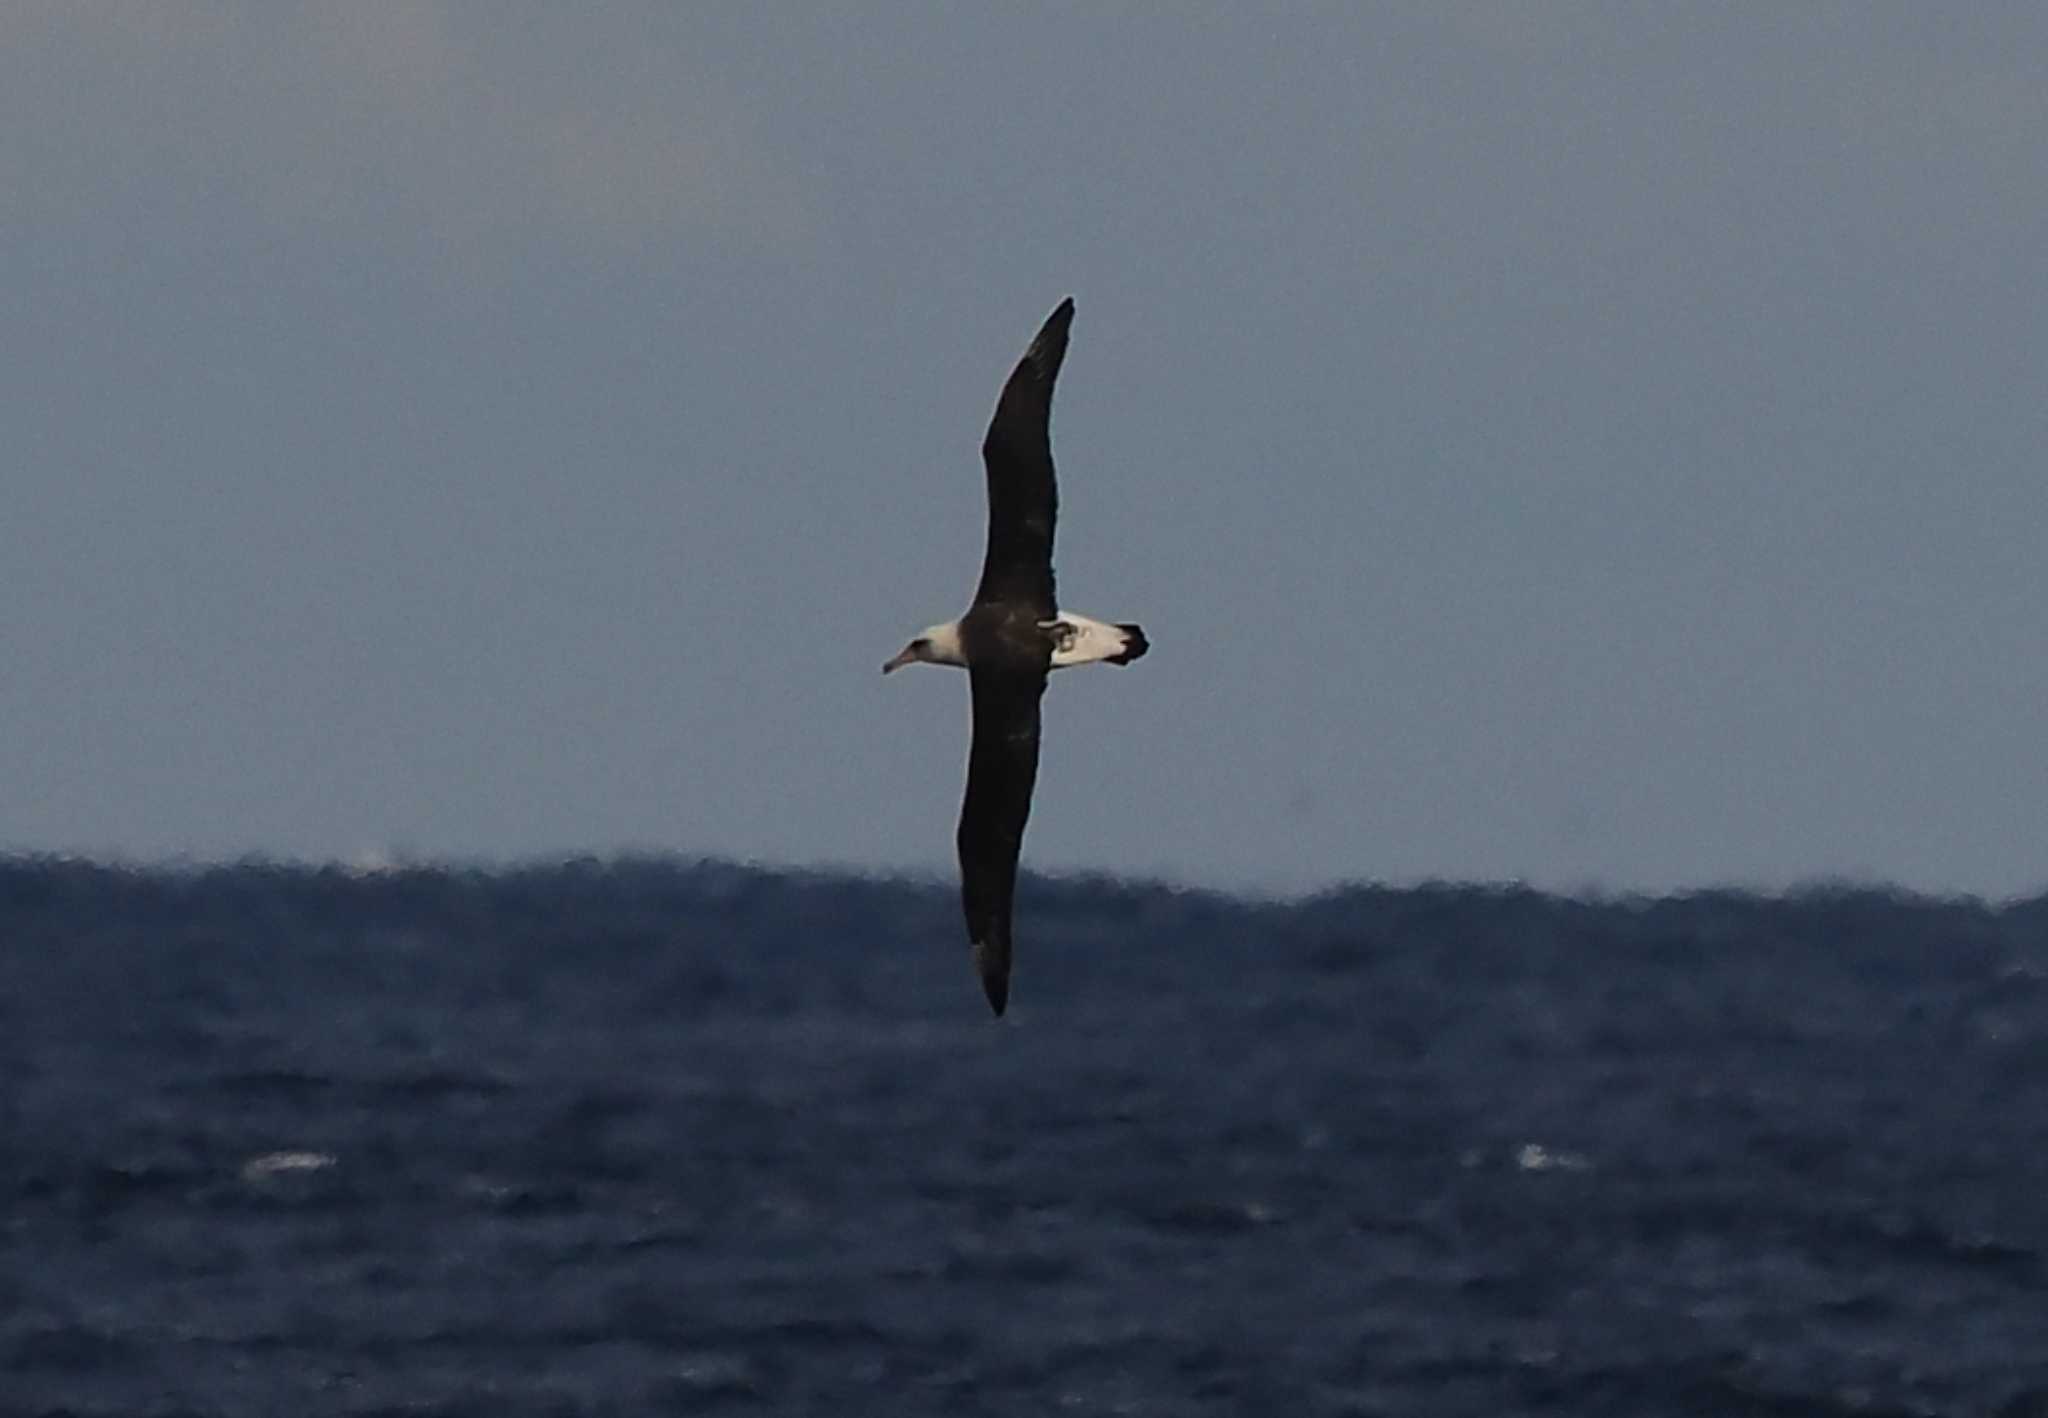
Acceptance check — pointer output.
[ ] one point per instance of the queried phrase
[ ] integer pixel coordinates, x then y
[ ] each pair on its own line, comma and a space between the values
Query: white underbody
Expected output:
1077, 640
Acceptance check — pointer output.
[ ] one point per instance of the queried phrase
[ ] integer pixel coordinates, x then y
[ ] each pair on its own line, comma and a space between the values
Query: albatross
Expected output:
1010, 639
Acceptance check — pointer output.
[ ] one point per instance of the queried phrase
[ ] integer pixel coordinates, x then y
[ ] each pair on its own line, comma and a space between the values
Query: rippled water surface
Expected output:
624, 1138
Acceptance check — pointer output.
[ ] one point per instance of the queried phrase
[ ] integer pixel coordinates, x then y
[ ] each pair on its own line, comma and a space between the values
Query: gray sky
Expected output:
1593, 445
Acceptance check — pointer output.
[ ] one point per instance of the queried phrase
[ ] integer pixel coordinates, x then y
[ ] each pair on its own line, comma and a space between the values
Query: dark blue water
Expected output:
640, 1138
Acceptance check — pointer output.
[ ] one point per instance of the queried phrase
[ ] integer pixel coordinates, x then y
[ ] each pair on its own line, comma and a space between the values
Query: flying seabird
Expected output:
1009, 640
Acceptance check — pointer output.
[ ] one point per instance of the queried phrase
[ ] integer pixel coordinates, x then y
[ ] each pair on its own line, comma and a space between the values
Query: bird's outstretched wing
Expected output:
1002, 765
1023, 498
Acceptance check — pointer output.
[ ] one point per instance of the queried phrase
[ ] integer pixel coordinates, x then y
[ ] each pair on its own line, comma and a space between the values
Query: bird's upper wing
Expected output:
1002, 765
1023, 499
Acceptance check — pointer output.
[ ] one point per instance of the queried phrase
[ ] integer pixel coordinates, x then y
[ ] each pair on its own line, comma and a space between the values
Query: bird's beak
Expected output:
903, 657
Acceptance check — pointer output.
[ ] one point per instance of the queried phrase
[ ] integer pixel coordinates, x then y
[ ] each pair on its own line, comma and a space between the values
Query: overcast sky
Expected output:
1589, 445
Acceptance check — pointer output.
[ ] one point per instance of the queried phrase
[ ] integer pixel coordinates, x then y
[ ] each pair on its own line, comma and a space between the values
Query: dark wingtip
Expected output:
1049, 347
992, 959
1041, 359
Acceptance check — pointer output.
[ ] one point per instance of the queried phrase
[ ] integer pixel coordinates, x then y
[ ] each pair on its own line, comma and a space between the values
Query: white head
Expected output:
934, 645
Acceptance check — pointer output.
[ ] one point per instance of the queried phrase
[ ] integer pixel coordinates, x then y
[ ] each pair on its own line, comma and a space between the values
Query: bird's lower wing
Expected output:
1002, 766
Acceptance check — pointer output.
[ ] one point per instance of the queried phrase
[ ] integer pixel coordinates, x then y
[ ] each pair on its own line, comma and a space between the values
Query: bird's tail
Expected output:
1135, 645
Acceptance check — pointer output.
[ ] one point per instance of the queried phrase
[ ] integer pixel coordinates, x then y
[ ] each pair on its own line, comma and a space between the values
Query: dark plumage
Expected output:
1010, 639
1023, 496
1008, 654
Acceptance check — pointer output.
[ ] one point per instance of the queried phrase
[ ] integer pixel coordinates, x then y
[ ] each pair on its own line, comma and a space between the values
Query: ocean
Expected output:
631, 1137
